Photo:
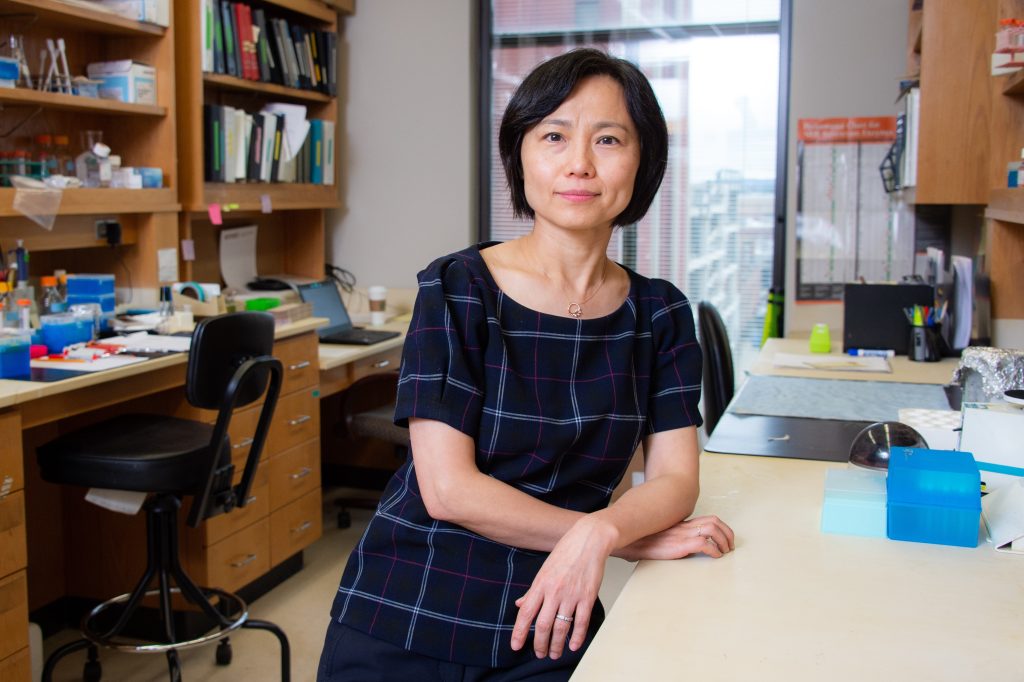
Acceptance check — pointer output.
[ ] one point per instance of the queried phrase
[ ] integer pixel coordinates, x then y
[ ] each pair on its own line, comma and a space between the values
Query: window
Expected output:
715, 66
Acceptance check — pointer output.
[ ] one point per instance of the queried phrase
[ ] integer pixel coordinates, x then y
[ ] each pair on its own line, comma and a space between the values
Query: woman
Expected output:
532, 371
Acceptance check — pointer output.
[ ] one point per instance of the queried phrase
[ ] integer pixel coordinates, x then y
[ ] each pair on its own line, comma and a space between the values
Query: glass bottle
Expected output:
53, 302
5, 305
92, 166
62, 152
44, 154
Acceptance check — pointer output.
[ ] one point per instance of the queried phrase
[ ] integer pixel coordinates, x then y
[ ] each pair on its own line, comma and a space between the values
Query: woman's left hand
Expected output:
562, 596
696, 535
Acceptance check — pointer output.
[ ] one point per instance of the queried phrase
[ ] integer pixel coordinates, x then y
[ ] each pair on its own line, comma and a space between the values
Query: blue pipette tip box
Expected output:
933, 496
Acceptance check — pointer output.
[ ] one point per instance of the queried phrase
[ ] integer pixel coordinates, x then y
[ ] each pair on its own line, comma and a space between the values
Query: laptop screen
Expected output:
327, 303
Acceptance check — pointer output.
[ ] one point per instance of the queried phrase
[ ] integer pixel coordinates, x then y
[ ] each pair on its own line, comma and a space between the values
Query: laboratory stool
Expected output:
229, 365
368, 412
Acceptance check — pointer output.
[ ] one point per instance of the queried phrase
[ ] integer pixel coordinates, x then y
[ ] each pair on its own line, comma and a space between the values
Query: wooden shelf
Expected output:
310, 8
283, 196
233, 83
1014, 85
53, 100
343, 6
1006, 205
81, 16
103, 201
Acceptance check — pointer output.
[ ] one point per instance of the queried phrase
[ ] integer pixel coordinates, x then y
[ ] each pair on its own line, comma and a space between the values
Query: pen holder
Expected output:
924, 344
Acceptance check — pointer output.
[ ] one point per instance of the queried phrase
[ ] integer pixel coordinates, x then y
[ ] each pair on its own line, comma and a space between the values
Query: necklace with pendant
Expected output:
576, 309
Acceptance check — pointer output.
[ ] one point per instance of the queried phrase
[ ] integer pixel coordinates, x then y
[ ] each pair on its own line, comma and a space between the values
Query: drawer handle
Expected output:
381, 364
244, 562
250, 499
303, 527
244, 443
301, 419
299, 365
301, 473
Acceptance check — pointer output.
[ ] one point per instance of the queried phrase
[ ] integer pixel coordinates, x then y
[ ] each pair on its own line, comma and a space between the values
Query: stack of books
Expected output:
250, 43
244, 147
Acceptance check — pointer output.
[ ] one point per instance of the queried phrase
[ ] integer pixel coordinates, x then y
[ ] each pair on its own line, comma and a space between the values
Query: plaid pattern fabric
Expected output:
556, 407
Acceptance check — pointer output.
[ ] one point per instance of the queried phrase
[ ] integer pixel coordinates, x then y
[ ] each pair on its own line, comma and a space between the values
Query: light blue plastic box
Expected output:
933, 496
854, 502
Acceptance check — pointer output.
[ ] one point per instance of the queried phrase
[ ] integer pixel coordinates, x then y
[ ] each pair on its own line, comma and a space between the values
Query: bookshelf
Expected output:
303, 203
141, 134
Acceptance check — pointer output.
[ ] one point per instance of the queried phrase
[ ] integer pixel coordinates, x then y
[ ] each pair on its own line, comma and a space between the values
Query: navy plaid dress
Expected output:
556, 407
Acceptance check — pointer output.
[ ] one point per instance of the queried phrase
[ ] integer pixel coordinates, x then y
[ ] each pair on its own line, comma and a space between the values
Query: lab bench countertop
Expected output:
794, 603
334, 355
903, 369
18, 392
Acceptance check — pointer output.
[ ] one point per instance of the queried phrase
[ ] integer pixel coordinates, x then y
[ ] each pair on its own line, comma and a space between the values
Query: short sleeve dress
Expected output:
556, 407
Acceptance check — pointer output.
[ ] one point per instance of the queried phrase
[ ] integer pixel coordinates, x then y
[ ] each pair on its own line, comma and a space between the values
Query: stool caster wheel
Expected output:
224, 652
92, 671
344, 519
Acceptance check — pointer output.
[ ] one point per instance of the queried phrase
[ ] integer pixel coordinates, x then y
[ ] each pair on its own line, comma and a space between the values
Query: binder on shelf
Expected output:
263, 54
316, 135
217, 26
275, 160
328, 176
230, 64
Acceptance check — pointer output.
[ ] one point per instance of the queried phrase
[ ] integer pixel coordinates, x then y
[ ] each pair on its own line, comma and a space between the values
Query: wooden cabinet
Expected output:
13, 558
141, 134
971, 127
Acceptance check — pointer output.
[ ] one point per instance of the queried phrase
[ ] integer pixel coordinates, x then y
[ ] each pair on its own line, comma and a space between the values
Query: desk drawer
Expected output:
241, 431
220, 527
13, 614
11, 476
295, 526
293, 473
240, 558
12, 533
298, 355
388, 361
296, 420
17, 668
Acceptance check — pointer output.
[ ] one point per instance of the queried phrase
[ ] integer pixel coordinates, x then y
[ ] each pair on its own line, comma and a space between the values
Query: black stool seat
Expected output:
137, 452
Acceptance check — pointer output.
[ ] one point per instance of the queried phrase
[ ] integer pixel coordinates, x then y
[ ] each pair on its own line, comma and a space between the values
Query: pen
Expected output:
871, 353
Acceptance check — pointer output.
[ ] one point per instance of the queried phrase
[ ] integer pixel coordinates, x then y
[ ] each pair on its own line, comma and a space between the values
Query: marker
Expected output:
871, 353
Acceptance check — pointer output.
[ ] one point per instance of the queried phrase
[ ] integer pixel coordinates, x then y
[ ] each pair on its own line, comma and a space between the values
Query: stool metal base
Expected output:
120, 644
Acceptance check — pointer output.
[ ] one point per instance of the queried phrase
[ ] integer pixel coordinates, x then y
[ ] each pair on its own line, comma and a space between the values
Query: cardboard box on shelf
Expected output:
125, 80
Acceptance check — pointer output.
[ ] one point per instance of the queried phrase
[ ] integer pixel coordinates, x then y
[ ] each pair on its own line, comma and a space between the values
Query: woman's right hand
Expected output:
696, 535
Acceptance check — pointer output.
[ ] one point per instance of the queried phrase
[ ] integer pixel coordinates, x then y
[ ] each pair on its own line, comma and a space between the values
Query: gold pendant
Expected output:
575, 310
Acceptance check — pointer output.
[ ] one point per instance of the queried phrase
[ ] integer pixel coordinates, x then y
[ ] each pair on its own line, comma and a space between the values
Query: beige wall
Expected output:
847, 60
408, 116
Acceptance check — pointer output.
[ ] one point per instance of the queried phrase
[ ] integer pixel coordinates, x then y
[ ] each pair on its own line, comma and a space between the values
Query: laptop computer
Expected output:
327, 303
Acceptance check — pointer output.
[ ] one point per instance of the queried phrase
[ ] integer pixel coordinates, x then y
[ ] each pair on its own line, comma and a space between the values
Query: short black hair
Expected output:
550, 84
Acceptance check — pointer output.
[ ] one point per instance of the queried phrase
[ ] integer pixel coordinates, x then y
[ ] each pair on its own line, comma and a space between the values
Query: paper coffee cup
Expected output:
378, 303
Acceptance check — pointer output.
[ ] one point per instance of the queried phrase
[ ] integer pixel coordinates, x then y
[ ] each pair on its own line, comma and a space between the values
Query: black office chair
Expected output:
229, 365
718, 379
367, 411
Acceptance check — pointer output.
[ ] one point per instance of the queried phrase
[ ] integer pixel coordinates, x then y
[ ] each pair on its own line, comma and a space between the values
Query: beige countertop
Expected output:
903, 369
792, 603
17, 392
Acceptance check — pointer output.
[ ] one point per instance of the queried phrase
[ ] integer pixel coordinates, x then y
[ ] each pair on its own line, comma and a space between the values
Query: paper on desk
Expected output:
296, 127
1003, 511
141, 342
238, 256
109, 362
847, 363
